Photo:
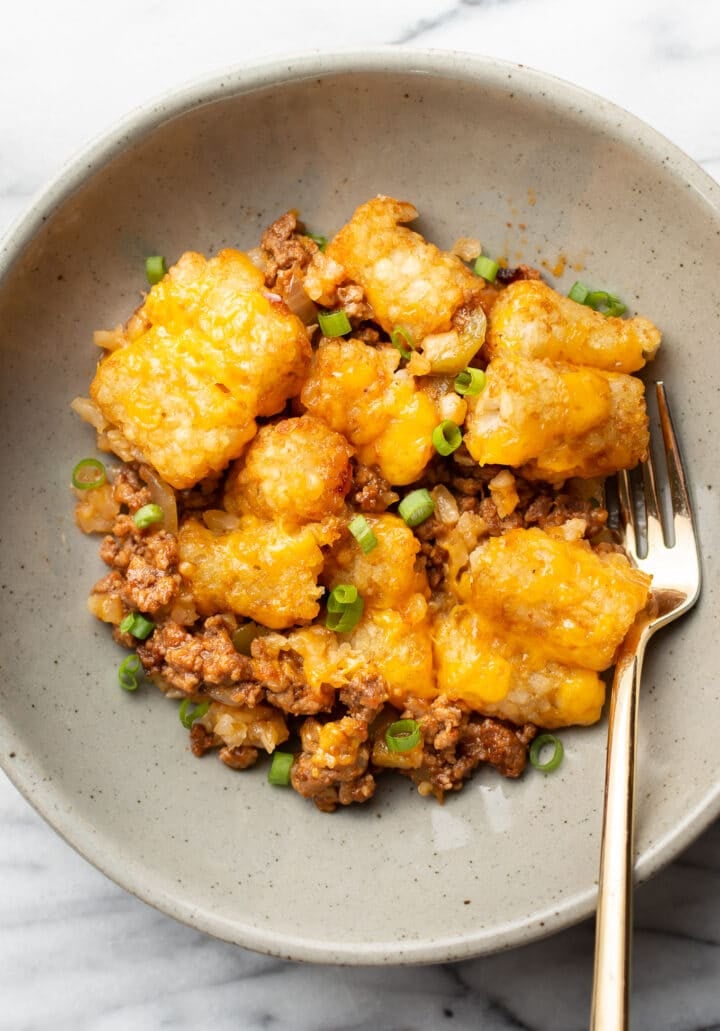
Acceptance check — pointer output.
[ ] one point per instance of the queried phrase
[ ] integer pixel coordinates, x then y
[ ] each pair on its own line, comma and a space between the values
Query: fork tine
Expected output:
627, 511
654, 530
683, 523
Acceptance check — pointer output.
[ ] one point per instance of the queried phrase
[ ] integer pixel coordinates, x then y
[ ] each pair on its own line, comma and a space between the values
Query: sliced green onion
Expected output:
608, 304
279, 772
88, 474
578, 292
137, 625
402, 735
416, 507
188, 716
344, 608
147, 515
342, 596
469, 382
446, 437
598, 300
155, 268
361, 530
334, 323
397, 336
486, 267
544, 741
321, 241
127, 674
244, 636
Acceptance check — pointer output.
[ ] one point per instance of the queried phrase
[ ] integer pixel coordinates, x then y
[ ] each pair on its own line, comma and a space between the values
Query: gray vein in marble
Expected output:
444, 18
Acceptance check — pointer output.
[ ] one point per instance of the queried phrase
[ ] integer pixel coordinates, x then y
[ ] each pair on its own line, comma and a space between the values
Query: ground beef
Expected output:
239, 758
457, 741
370, 492
505, 276
364, 696
546, 510
283, 678
207, 493
129, 489
147, 563
351, 298
336, 778
188, 661
201, 740
286, 249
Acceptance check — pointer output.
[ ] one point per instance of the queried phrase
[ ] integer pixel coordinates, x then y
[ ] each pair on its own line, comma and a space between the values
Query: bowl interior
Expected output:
541, 173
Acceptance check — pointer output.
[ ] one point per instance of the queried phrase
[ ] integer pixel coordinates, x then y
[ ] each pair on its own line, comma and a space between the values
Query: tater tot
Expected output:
400, 648
532, 320
554, 420
576, 604
510, 678
386, 577
296, 469
260, 570
359, 391
407, 281
209, 353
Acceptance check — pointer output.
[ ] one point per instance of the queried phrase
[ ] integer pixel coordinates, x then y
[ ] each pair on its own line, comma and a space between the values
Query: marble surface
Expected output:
75, 950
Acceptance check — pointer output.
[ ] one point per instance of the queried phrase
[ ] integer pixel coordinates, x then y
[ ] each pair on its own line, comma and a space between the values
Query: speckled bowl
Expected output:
540, 171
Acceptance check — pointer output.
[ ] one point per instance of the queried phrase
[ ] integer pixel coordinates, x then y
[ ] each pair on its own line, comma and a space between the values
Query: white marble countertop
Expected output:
75, 950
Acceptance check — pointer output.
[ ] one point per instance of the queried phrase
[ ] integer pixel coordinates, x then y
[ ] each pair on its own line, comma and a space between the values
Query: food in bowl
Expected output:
359, 522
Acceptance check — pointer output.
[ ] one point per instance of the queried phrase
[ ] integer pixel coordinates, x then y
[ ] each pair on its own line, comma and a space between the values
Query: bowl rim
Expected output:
236, 80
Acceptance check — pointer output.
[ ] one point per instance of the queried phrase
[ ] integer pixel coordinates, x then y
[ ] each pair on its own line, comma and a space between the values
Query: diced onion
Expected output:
446, 507
299, 303
163, 495
219, 521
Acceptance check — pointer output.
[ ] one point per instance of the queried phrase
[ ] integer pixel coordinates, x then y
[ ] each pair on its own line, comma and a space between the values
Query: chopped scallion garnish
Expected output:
607, 303
416, 507
147, 515
469, 382
342, 596
539, 745
446, 437
188, 716
280, 767
578, 292
127, 674
137, 625
155, 268
88, 474
397, 337
321, 241
361, 530
334, 323
402, 735
598, 300
486, 267
344, 608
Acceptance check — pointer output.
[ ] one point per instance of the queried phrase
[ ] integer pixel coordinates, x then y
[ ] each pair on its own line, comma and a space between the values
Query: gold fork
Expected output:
675, 570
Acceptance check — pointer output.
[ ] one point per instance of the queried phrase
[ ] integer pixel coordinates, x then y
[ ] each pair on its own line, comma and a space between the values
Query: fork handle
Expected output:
613, 927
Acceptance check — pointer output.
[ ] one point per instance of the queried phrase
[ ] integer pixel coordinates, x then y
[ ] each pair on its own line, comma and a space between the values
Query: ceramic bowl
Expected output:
540, 171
